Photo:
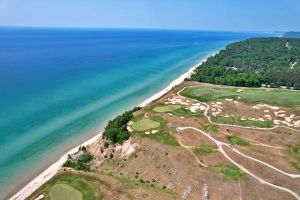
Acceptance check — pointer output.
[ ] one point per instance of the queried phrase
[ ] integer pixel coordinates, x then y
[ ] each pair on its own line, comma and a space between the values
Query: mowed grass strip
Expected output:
145, 124
280, 97
63, 191
166, 108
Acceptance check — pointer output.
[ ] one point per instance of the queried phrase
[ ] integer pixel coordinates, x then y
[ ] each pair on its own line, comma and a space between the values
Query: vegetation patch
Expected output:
163, 137
166, 108
212, 128
80, 160
63, 191
116, 129
280, 97
67, 186
232, 172
261, 124
186, 112
254, 62
223, 120
295, 149
145, 124
204, 150
237, 140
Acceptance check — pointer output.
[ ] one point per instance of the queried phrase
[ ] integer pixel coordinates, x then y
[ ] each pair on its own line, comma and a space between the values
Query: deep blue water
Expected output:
57, 86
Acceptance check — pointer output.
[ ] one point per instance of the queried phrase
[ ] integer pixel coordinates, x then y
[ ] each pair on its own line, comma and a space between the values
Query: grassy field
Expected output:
163, 137
145, 124
67, 187
237, 140
246, 123
212, 128
232, 172
204, 150
61, 191
166, 108
280, 97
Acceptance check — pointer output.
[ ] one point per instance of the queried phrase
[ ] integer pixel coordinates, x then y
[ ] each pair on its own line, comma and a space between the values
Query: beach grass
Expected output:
280, 97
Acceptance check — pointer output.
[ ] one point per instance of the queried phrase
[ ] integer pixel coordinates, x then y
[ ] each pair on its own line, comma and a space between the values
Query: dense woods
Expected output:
116, 129
253, 62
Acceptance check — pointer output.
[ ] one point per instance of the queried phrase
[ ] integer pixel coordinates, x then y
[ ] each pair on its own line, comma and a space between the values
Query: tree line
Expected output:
116, 129
253, 62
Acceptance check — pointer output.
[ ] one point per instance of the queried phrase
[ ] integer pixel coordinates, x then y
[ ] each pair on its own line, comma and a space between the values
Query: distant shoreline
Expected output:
51, 171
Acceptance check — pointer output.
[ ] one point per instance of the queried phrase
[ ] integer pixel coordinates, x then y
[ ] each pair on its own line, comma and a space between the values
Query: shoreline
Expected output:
51, 171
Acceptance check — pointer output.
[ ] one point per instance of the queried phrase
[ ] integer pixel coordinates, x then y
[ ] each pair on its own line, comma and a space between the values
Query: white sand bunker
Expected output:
177, 100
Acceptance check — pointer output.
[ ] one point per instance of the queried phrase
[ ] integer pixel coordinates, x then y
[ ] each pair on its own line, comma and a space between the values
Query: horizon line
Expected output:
140, 28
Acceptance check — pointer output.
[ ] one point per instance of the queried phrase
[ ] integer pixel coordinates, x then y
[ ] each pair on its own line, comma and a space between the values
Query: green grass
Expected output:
295, 149
61, 191
223, 120
297, 165
163, 137
246, 123
237, 140
185, 112
145, 124
166, 108
280, 97
57, 186
261, 124
232, 172
204, 150
213, 128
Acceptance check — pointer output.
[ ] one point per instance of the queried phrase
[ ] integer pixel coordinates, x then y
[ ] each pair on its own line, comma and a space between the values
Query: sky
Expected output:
234, 15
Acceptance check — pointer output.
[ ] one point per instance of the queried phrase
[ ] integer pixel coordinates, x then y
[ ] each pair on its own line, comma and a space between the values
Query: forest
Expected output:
273, 62
116, 129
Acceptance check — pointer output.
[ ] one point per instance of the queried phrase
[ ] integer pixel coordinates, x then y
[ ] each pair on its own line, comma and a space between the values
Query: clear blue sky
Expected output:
236, 15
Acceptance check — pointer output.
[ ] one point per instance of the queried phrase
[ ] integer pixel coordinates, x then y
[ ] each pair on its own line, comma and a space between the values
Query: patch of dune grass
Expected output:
163, 137
237, 140
204, 150
213, 128
223, 120
232, 172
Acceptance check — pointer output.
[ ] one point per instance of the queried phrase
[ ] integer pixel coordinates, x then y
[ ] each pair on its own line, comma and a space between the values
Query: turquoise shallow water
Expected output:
59, 86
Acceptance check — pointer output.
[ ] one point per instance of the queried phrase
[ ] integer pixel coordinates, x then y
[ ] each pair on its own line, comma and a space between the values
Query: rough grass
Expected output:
163, 137
232, 172
212, 128
237, 140
223, 120
76, 182
166, 108
145, 124
204, 150
261, 124
280, 97
186, 112
246, 123
63, 191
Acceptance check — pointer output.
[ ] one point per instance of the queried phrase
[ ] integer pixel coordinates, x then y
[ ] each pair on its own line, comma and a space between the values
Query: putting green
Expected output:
62, 191
166, 108
145, 124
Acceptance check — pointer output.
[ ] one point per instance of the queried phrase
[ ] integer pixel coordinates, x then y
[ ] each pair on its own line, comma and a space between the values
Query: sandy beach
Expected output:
54, 168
